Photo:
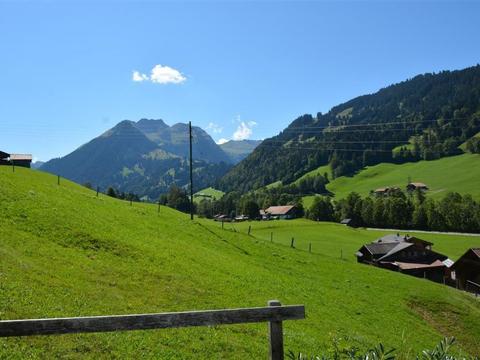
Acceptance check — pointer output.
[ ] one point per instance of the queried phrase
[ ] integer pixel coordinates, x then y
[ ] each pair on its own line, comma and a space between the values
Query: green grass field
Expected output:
456, 173
211, 193
65, 252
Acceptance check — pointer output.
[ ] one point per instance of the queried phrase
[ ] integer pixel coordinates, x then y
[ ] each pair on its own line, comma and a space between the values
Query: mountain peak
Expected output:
125, 127
151, 125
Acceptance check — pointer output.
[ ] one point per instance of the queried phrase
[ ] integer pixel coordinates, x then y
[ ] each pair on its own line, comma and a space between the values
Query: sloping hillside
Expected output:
452, 174
436, 112
143, 157
65, 252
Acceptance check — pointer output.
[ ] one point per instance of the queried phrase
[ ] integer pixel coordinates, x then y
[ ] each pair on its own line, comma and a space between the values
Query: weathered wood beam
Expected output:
273, 314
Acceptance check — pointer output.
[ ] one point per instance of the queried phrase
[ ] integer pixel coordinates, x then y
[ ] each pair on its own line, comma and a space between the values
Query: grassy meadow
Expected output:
66, 252
456, 173
208, 193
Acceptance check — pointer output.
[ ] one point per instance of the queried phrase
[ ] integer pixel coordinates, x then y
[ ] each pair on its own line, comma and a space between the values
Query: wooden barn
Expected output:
282, 212
406, 254
466, 271
417, 186
23, 160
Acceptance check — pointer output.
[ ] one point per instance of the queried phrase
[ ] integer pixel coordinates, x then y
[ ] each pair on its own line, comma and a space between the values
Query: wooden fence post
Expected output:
271, 237
292, 243
58, 179
158, 211
249, 229
98, 189
275, 332
310, 247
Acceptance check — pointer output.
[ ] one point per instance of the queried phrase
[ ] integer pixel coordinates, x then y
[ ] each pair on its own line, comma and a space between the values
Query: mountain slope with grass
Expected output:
143, 157
459, 173
423, 118
66, 252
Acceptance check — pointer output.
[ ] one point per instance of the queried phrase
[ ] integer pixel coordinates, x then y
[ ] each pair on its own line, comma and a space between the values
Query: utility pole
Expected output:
191, 170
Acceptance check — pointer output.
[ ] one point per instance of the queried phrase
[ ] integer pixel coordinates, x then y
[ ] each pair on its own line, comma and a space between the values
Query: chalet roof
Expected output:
397, 248
379, 249
417, 184
395, 238
21, 157
381, 189
279, 210
476, 251
345, 221
411, 266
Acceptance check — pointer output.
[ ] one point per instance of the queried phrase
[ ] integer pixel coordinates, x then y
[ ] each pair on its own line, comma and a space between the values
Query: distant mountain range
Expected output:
427, 117
237, 150
147, 157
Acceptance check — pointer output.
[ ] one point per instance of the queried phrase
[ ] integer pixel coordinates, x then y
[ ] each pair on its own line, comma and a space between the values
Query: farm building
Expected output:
417, 186
23, 160
406, 254
282, 212
466, 271
385, 191
349, 222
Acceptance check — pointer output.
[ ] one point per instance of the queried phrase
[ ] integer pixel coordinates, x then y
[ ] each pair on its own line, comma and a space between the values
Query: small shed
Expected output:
466, 270
349, 222
24, 160
417, 186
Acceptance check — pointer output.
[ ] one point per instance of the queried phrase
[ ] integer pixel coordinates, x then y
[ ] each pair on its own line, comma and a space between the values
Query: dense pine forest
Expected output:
424, 118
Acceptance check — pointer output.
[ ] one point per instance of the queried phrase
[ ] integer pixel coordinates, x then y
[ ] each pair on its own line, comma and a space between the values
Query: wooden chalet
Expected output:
282, 212
23, 160
466, 271
406, 254
417, 186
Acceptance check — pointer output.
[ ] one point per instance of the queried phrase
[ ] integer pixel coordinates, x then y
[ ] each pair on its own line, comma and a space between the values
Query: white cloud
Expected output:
160, 75
138, 77
222, 141
165, 75
244, 130
215, 128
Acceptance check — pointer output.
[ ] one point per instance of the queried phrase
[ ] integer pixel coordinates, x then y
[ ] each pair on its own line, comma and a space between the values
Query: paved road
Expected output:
425, 232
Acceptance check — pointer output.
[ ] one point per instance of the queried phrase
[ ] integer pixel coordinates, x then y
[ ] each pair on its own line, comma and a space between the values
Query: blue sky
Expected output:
243, 68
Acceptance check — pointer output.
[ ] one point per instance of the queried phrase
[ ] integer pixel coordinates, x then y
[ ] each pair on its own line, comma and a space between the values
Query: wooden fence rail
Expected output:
274, 314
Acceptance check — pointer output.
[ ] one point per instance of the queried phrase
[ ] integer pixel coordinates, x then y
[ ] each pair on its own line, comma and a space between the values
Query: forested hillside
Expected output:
144, 157
423, 118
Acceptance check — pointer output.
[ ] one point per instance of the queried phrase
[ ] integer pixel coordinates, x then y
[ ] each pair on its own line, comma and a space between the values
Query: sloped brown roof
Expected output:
476, 251
20, 157
411, 266
418, 184
279, 210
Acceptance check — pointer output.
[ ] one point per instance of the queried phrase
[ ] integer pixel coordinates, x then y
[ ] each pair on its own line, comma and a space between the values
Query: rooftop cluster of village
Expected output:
414, 256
